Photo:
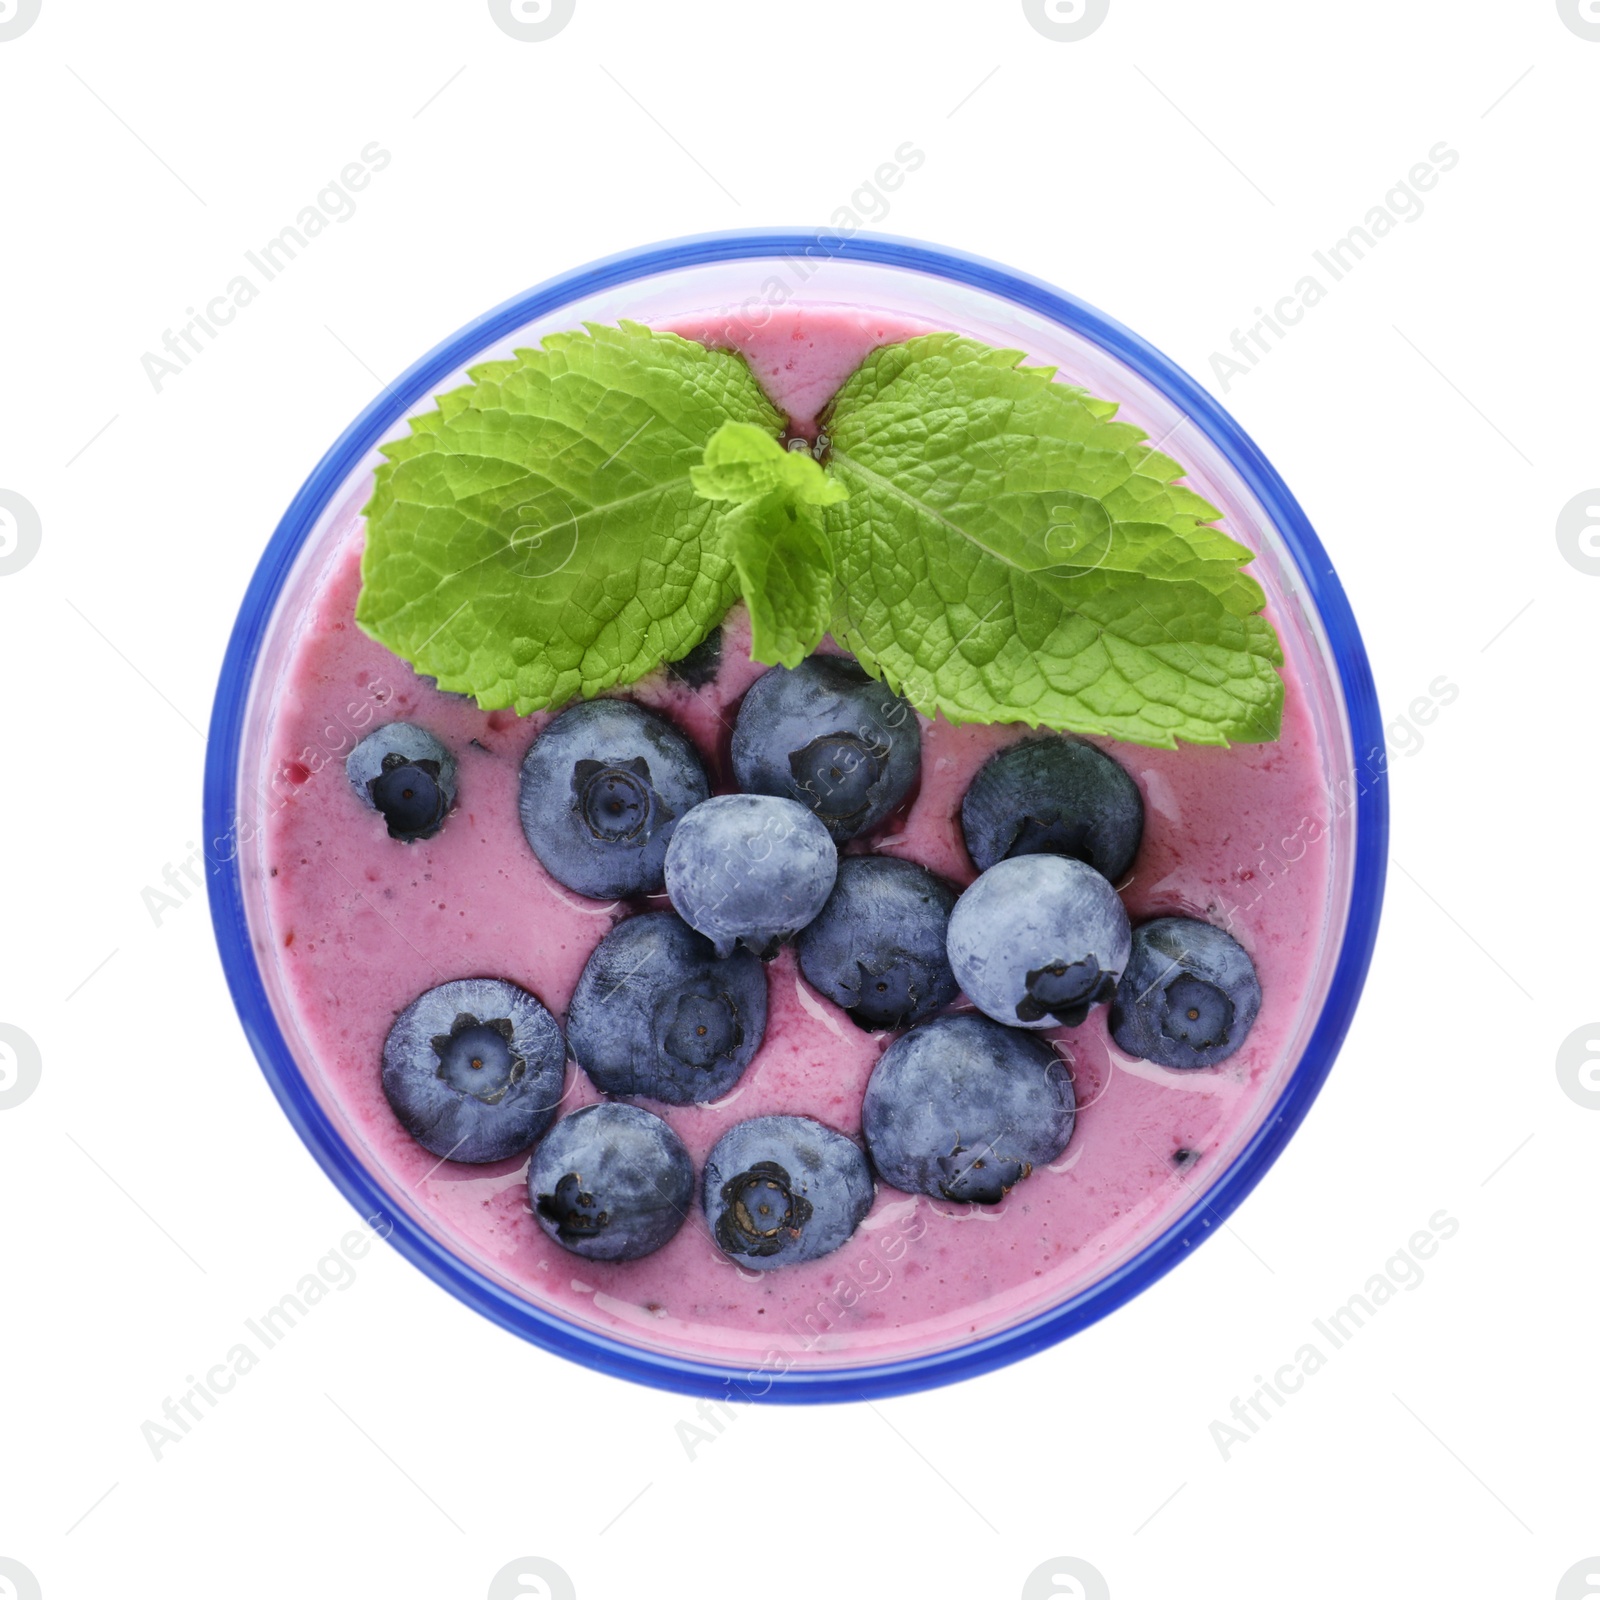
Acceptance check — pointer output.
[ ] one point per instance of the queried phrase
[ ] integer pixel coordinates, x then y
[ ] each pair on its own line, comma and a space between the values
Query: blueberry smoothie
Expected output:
430, 908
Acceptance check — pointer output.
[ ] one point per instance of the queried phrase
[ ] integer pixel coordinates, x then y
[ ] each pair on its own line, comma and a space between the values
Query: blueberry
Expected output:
750, 869
780, 1190
878, 946
474, 1069
1188, 997
603, 787
701, 665
656, 1013
1053, 797
827, 735
404, 774
1037, 940
611, 1183
965, 1109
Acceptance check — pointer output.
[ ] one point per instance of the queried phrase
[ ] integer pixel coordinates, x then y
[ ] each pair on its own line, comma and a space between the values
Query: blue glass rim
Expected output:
599, 1351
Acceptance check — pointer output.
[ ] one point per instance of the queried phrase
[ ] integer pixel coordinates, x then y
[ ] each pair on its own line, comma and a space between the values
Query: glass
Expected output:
738, 277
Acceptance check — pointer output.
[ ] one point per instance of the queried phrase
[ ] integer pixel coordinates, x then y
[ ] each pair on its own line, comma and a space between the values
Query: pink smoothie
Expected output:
358, 925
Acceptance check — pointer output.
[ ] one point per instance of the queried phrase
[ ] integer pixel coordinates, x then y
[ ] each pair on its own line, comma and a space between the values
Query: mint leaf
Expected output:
785, 566
775, 539
744, 464
538, 535
1009, 552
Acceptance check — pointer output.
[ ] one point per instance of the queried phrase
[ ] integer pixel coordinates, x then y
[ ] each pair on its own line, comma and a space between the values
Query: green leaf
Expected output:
785, 566
775, 539
1010, 552
742, 463
538, 535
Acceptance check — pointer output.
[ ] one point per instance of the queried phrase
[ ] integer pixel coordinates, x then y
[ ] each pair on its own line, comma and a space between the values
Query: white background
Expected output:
1177, 168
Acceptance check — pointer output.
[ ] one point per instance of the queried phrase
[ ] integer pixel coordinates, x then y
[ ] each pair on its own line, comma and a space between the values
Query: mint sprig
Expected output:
991, 542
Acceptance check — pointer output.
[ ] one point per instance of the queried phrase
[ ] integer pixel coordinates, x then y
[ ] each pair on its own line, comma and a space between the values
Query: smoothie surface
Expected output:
358, 925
